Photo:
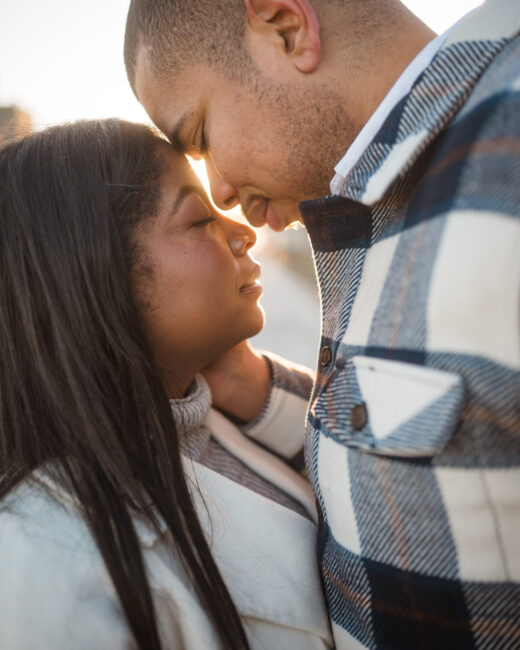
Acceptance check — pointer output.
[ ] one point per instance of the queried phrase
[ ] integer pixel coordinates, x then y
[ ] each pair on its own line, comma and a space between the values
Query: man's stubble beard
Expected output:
317, 132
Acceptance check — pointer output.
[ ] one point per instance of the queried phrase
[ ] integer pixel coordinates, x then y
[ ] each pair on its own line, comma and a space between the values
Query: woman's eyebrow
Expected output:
186, 190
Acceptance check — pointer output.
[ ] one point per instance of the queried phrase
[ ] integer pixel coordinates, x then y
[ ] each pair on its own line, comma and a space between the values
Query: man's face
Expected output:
267, 149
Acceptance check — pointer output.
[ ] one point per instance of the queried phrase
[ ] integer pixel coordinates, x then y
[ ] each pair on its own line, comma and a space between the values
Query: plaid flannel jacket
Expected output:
413, 438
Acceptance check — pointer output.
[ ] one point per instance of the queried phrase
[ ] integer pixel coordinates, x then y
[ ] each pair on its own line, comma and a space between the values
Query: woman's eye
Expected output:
204, 222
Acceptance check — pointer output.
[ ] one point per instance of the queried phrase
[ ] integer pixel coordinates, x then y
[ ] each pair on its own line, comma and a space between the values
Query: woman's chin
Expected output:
258, 326
253, 326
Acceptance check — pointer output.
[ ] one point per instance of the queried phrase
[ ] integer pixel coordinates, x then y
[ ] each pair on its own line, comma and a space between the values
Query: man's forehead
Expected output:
142, 72
173, 131
169, 102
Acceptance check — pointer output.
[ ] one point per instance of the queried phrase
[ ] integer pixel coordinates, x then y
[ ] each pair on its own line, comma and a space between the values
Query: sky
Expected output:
62, 59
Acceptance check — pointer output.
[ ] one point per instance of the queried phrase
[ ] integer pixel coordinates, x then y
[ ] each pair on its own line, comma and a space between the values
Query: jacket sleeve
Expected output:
281, 425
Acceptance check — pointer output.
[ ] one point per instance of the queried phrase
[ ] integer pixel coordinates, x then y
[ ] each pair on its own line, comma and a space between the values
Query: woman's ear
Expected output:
292, 25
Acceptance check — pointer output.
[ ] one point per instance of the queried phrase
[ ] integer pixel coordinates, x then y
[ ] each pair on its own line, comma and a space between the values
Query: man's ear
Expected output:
292, 24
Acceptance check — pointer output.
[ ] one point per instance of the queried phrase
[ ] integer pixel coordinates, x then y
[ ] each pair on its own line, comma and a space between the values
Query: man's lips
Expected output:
259, 211
272, 219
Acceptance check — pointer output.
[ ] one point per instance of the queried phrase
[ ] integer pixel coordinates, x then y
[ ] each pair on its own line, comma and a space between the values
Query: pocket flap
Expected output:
408, 410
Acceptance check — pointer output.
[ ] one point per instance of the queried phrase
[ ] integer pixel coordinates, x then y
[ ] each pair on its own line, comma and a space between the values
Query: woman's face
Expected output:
199, 292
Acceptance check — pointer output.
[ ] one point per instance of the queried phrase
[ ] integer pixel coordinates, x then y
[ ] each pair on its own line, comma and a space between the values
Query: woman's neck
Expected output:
177, 384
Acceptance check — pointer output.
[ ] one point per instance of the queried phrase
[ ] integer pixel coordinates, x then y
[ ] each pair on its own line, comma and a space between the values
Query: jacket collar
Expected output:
436, 97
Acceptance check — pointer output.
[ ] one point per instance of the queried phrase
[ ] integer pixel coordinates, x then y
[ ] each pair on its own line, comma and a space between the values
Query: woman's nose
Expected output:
225, 196
241, 237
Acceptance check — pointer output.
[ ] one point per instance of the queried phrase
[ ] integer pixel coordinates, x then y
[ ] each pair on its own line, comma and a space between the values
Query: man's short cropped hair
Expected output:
178, 33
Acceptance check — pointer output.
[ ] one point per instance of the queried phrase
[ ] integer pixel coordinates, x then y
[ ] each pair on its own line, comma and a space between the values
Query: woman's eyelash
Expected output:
204, 222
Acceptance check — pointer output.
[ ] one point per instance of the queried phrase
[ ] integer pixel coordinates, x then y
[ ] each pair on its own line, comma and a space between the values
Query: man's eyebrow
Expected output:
184, 191
174, 135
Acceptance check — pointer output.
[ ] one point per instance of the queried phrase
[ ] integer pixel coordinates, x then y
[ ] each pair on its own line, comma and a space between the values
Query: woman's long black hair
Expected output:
79, 390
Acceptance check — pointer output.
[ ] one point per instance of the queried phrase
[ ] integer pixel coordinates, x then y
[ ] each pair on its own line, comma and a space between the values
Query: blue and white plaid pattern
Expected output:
413, 440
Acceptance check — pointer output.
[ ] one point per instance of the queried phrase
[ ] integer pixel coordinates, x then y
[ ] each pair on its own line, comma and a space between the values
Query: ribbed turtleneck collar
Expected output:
191, 412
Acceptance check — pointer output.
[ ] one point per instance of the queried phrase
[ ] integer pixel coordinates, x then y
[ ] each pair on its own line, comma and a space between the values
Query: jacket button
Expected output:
358, 416
325, 355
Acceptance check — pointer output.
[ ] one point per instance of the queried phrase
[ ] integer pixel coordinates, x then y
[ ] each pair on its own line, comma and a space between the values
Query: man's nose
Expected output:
225, 195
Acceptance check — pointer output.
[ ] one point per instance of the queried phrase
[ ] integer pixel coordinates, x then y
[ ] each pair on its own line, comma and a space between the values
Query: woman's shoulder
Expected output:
38, 511
56, 591
52, 571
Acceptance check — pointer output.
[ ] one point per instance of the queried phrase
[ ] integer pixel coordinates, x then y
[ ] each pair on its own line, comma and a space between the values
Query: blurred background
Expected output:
61, 60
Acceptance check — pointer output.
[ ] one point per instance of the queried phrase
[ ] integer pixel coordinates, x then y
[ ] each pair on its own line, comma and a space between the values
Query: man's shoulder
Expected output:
498, 88
487, 121
474, 161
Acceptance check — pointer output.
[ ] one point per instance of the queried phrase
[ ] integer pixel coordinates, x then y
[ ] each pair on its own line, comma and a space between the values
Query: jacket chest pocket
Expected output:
390, 407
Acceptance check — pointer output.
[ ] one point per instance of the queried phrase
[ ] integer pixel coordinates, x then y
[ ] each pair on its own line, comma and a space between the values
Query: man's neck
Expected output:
391, 65
365, 63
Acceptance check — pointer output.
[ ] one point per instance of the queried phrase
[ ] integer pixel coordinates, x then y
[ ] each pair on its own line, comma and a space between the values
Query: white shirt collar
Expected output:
401, 88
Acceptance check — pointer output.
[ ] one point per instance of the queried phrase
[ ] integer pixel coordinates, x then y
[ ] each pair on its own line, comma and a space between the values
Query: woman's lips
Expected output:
253, 283
254, 288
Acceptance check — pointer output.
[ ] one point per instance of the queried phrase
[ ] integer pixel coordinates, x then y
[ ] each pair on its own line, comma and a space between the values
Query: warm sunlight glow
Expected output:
236, 213
62, 60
